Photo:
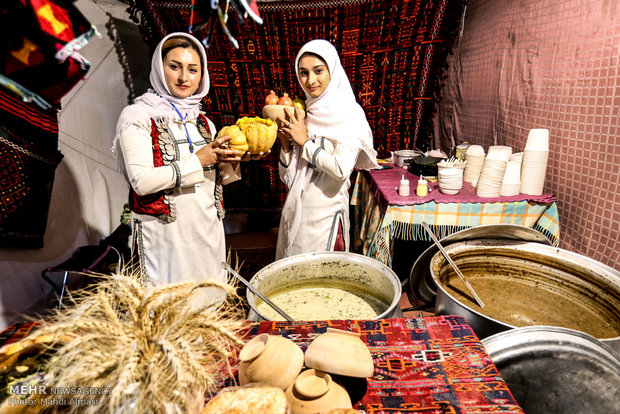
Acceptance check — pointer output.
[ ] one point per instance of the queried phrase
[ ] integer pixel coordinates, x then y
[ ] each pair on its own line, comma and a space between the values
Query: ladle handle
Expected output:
256, 292
454, 266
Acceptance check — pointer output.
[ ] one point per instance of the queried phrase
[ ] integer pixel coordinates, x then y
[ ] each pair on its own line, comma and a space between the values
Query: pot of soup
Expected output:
326, 286
528, 284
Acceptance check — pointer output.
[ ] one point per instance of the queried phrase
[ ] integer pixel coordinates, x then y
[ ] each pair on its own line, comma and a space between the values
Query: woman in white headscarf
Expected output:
175, 167
319, 154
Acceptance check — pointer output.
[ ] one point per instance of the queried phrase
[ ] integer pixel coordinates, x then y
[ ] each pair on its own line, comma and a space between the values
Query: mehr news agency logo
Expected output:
48, 396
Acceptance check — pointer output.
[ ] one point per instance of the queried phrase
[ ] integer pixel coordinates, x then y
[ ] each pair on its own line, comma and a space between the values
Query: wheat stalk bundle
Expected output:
155, 349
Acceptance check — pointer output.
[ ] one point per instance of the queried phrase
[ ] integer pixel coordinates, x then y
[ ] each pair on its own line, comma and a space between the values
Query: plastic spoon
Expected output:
256, 292
456, 269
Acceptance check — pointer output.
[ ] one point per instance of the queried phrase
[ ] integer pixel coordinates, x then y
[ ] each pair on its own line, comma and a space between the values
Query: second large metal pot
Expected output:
526, 284
369, 275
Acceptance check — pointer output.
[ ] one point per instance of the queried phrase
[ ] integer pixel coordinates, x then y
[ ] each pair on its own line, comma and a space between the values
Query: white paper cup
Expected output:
537, 140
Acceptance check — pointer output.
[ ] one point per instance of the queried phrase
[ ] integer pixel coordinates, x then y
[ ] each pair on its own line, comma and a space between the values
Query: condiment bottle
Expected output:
403, 188
422, 189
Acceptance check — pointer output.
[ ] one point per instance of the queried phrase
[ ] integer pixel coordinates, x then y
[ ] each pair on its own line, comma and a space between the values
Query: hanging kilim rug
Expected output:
393, 51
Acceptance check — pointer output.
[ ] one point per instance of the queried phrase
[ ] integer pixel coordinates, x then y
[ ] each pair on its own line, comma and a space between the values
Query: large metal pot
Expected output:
524, 284
369, 275
552, 370
422, 288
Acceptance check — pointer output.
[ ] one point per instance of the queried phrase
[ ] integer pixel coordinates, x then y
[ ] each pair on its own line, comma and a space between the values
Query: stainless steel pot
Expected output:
552, 370
587, 291
370, 275
402, 156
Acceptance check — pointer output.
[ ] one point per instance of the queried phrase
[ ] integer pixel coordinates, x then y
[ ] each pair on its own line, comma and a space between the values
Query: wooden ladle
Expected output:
454, 266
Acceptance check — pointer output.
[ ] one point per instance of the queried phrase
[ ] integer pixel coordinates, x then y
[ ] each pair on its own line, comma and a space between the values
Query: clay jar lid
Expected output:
314, 391
270, 359
340, 352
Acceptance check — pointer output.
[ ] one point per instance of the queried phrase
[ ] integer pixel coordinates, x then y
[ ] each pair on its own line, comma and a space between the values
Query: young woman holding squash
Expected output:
176, 167
319, 153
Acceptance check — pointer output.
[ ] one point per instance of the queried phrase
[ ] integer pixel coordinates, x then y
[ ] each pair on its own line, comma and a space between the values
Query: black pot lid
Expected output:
422, 288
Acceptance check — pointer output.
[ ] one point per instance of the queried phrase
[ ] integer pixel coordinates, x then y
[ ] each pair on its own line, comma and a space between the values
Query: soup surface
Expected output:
321, 300
521, 302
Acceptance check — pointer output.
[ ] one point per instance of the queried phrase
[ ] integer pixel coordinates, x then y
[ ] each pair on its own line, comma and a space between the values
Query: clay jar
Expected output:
270, 359
340, 352
314, 391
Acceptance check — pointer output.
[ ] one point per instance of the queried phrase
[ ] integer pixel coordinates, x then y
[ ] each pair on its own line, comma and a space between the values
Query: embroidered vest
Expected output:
166, 152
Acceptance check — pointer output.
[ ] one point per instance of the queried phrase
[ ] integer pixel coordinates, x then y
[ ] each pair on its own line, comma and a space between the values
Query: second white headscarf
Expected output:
336, 115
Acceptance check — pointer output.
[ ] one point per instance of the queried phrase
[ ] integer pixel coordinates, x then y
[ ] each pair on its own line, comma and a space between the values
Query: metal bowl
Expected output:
355, 270
553, 370
524, 284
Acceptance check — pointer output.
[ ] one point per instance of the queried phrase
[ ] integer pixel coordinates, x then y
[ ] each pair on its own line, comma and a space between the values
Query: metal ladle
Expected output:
454, 266
256, 292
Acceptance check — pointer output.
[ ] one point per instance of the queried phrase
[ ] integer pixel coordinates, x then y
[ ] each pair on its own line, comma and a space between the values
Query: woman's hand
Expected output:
294, 127
248, 156
215, 152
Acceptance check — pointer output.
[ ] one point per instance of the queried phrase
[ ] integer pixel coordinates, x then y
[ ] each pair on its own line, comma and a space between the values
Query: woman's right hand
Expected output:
215, 152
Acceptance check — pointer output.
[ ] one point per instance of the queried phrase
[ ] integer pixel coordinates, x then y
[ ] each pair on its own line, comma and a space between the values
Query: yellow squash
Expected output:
238, 141
260, 132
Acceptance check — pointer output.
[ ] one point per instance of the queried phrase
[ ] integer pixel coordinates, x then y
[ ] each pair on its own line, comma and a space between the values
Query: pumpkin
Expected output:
238, 142
260, 132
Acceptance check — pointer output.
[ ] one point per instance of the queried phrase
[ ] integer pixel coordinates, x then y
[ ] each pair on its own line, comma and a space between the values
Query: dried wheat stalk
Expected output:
158, 349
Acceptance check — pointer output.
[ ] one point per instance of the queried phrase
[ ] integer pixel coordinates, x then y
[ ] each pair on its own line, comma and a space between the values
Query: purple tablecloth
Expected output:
384, 184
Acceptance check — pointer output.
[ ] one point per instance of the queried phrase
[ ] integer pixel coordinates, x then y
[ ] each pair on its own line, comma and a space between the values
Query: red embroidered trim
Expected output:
207, 125
151, 204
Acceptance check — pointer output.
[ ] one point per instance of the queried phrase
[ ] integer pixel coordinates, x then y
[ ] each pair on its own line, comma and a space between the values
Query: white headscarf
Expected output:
336, 115
156, 102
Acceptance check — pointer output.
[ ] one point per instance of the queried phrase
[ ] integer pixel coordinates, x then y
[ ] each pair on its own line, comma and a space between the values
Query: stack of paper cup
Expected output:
475, 158
500, 152
534, 163
517, 156
492, 174
511, 184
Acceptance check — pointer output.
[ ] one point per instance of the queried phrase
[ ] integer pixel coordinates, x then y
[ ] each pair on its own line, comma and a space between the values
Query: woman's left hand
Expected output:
295, 127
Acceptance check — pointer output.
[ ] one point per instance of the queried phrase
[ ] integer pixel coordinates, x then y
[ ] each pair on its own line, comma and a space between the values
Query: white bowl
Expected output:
449, 191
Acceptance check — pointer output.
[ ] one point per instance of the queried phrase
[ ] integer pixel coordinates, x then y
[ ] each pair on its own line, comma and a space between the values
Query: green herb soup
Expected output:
322, 300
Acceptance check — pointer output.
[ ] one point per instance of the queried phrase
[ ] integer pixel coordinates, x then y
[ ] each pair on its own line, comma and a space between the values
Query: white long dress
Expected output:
324, 199
191, 247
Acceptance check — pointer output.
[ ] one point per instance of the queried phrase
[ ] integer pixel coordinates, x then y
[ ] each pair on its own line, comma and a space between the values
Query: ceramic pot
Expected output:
279, 112
314, 391
340, 352
270, 359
